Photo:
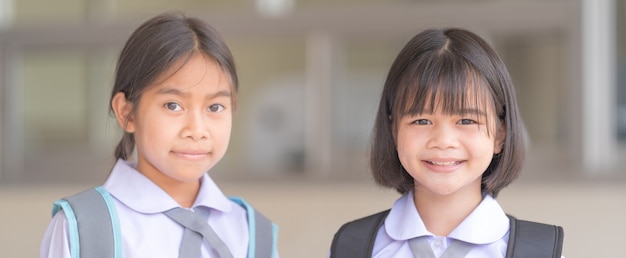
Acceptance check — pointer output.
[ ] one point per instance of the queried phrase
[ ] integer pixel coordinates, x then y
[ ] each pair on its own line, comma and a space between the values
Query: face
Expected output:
448, 153
182, 123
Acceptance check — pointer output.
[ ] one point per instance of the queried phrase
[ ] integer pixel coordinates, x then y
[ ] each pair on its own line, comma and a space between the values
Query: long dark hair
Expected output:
154, 48
441, 64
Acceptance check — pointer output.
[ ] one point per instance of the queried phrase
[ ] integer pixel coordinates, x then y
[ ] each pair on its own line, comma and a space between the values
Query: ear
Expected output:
500, 138
123, 112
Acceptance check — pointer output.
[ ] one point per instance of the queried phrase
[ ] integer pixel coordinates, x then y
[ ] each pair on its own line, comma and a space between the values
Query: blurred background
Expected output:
311, 72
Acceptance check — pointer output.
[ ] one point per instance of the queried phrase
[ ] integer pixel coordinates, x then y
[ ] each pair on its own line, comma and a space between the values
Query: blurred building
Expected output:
311, 73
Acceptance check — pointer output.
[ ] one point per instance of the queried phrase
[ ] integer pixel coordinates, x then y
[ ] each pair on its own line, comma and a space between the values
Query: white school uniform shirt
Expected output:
146, 231
487, 228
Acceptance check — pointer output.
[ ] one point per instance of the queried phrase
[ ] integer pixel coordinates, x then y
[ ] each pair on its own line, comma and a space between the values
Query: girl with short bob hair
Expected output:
174, 96
440, 65
448, 137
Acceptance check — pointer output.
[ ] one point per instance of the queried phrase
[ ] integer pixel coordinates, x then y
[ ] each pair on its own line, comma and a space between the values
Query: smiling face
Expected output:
447, 152
182, 123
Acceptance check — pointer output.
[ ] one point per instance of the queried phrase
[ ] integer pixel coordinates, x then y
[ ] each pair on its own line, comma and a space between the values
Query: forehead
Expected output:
195, 70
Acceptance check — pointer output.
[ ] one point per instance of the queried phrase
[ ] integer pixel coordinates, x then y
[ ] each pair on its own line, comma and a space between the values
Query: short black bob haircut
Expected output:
440, 64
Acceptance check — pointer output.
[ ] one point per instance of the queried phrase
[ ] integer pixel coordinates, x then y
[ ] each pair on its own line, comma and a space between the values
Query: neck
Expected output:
443, 213
184, 193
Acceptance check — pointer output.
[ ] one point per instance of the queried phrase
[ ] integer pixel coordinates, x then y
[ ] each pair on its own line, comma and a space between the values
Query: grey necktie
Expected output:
196, 227
421, 248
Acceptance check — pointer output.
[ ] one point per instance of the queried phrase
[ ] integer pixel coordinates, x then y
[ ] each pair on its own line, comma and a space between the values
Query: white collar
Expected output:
486, 224
139, 193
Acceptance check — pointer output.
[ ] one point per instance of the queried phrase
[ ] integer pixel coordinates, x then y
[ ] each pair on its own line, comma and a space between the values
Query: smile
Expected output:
444, 164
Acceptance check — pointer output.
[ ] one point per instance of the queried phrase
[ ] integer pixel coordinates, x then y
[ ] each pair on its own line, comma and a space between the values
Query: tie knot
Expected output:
193, 221
188, 219
421, 247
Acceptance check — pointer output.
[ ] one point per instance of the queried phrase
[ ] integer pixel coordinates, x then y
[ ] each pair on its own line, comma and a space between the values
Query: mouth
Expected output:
443, 163
192, 155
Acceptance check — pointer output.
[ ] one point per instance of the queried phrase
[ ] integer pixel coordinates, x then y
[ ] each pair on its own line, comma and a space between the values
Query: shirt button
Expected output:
438, 242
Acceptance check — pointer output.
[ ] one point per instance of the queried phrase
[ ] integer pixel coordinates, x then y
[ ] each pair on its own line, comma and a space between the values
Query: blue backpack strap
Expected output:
93, 224
263, 233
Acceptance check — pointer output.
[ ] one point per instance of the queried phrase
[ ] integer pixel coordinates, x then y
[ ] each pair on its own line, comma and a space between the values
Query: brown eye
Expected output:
467, 122
422, 122
216, 108
173, 106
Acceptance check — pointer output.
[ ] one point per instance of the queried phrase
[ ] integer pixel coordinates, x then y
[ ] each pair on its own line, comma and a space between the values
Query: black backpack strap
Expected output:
355, 239
92, 223
532, 239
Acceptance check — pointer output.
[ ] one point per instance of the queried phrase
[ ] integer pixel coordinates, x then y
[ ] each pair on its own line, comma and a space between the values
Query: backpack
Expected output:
94, 228
355, 239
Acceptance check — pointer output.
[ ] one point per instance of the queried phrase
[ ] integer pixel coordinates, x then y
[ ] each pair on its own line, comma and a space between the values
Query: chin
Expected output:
189, 178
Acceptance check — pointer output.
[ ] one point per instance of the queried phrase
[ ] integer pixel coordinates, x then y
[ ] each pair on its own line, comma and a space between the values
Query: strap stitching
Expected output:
251, 225
115, 221
72, 226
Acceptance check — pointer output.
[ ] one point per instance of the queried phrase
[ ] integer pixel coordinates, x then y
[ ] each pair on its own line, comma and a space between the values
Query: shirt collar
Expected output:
486, 224
139, 193
403, 221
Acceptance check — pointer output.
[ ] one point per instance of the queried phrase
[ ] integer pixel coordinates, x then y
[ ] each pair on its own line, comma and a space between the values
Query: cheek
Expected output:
225, 134
400, 141
222, 130
154, 127
482, 149
407, 145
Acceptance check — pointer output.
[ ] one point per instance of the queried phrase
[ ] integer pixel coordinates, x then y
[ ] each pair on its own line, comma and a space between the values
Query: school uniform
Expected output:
486, 228
146, 231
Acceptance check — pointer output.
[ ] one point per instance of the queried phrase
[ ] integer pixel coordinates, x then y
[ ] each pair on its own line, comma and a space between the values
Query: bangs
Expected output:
443, 83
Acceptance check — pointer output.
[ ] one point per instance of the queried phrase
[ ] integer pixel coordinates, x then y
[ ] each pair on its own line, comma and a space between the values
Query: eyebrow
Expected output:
177, 92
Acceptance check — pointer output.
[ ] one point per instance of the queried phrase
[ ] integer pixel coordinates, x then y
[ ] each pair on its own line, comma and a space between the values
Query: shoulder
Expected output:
250, 213
362, 227
371, 223
534, 238
354, 235
520, 226
263, 233
365, 222
55, 240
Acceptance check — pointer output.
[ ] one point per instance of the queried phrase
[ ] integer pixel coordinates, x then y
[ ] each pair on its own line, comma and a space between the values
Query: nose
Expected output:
442, 136
196, 127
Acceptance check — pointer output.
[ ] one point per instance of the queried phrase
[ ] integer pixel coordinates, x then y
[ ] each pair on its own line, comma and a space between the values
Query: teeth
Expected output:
443, 164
